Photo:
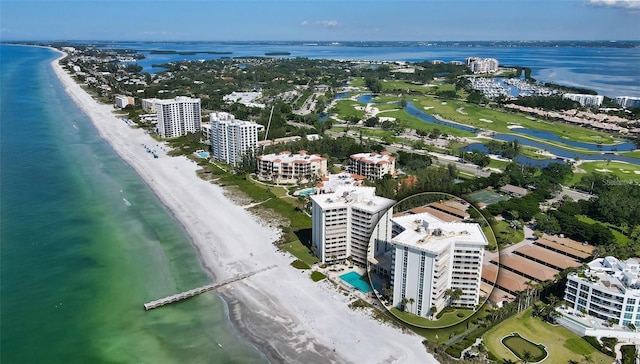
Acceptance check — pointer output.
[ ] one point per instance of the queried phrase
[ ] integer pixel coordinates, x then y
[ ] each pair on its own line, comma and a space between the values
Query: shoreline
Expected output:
282, 312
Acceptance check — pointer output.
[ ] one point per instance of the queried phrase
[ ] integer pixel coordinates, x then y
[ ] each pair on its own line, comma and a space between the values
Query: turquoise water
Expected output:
357, 281
85, 243
307, 192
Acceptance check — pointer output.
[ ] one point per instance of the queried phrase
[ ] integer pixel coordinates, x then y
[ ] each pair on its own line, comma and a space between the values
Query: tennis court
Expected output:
487, 197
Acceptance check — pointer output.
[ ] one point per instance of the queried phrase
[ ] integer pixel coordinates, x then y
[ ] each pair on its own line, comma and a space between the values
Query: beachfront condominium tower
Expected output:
342, 222
179, 116
428, 259
232, 139
608, 289
372, 165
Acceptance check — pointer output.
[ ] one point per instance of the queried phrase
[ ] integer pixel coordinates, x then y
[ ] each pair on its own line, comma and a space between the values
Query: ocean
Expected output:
85, 243
610, 68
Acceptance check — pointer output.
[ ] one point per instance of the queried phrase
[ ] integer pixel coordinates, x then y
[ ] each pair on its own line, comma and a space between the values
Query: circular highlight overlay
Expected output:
432, 260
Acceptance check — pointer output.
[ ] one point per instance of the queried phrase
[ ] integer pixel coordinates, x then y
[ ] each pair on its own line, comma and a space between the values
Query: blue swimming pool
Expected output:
356, 280
307, 192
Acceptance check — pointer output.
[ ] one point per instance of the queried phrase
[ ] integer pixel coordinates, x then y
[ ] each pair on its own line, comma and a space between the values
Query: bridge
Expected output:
196, 291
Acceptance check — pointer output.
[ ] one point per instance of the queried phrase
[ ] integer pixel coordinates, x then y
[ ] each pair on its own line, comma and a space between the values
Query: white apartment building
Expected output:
123, 101
246, 98
286, 167
149, 105
177, 117
628, 101
231, 139
372, 165
343, 222
482, 65
585, 99
608, 289
425, 256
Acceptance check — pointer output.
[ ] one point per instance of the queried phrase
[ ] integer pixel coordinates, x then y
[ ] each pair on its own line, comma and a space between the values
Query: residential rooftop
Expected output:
428, 233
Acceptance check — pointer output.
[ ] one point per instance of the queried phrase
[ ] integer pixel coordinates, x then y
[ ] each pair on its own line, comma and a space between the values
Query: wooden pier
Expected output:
196, 291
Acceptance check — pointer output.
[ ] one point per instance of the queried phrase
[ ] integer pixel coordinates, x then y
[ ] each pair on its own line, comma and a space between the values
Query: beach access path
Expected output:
281, 311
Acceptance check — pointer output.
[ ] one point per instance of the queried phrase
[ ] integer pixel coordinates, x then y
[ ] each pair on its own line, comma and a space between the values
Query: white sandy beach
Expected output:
280, 310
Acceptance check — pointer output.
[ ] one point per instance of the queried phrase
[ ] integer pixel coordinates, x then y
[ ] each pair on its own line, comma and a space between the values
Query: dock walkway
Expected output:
196, 291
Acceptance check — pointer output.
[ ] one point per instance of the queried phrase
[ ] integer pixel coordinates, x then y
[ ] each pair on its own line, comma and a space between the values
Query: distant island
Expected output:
277, 54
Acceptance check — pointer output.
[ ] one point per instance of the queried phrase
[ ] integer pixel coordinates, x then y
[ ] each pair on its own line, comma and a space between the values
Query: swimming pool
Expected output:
356, 280
306, 192
202, 154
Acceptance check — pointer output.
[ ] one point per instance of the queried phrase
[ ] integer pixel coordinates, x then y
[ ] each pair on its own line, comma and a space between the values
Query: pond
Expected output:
414, 111
564, 153
539, 163
620, 147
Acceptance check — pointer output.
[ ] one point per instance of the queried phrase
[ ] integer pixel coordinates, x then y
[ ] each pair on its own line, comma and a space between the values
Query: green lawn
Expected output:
500, 164
561, 344
624, 171
505, 233
301, 252
520, 346
446, 320
346, 109
619, 237
317, 276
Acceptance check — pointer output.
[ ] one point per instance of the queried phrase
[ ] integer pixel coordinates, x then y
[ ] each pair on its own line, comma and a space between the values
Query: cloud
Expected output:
625, 4
328, 23
321, 23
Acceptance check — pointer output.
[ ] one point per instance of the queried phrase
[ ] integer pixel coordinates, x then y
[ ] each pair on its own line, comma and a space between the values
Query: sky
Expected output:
320, 20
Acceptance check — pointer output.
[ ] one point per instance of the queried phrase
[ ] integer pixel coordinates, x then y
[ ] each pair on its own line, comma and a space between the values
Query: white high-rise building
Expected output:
585, 99
179, 116
482, 65
628, 101
231, 139
425, 258
608, 289
343, 222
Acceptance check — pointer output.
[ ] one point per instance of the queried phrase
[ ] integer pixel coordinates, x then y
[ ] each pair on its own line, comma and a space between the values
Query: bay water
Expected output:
84, 242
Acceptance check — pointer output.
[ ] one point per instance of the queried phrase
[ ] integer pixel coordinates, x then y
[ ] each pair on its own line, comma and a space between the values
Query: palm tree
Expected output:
404, 303
453, 294
432, 311
411, 301
526, 357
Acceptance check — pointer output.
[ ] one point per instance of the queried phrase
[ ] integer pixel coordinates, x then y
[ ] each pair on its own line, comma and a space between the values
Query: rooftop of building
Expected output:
228, 118
426, 232
506, 279
549, 256
514, 189
526, 267
564, 246
615, 275
332, 182
377, 158
176, 99
286, 156
356, 196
